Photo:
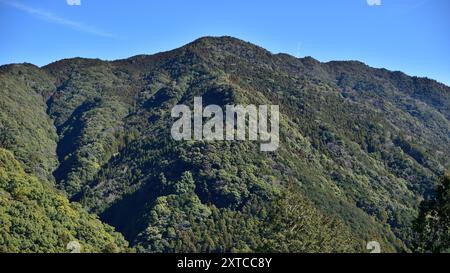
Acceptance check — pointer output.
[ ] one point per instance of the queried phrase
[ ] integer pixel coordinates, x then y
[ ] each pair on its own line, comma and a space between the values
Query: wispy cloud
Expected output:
50, 17
374, 2
73, 2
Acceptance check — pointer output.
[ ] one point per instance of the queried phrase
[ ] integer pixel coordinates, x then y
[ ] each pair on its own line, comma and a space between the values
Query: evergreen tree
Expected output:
433, 223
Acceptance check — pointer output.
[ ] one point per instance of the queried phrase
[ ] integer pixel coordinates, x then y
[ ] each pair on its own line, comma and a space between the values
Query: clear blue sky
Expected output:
408, 35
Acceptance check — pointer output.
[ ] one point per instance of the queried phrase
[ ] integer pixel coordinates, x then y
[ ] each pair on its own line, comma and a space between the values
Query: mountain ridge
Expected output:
360, 145
233, 39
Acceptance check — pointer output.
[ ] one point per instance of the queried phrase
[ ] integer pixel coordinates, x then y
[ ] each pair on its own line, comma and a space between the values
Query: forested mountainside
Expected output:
360, 148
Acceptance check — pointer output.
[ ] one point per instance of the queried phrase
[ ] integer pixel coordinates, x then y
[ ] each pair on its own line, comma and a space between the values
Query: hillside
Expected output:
359, 148
36, 218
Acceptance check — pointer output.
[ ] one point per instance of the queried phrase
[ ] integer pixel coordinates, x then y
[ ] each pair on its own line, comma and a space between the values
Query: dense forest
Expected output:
86, 154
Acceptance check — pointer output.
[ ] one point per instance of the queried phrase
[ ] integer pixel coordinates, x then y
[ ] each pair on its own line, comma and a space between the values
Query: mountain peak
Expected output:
219, 40
229, 44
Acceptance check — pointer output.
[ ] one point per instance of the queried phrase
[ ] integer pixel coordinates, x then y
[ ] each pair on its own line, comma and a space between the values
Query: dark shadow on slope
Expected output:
162, 96
68, 143
126, 215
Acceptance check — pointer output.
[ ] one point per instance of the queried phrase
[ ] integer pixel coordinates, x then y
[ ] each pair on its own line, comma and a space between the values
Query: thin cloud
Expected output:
73, 2
374, 2
48, 16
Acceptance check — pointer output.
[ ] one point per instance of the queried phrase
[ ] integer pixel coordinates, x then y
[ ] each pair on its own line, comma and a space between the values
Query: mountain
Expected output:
360, 148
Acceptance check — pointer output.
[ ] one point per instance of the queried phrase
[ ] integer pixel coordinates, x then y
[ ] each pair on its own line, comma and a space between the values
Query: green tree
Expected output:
433, 223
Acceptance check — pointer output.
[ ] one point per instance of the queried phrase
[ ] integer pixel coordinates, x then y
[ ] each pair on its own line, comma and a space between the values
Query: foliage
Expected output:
289, 223
36, 218
433, 222
25, 127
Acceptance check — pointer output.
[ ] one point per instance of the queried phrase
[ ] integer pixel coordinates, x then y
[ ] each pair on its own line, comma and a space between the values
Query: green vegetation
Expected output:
36, 218
433, 223
289, 223
359, 148
25, 128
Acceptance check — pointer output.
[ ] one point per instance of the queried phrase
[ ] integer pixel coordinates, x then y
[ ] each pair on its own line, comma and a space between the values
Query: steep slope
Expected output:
357, 144
34, 217
87, 110
25, 128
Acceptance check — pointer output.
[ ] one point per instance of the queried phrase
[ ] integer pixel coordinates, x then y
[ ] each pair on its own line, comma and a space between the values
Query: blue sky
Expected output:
408, 35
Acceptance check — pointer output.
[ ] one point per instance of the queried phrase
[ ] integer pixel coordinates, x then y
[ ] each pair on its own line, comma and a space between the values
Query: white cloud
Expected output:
50, 17
73, 2
374, 2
